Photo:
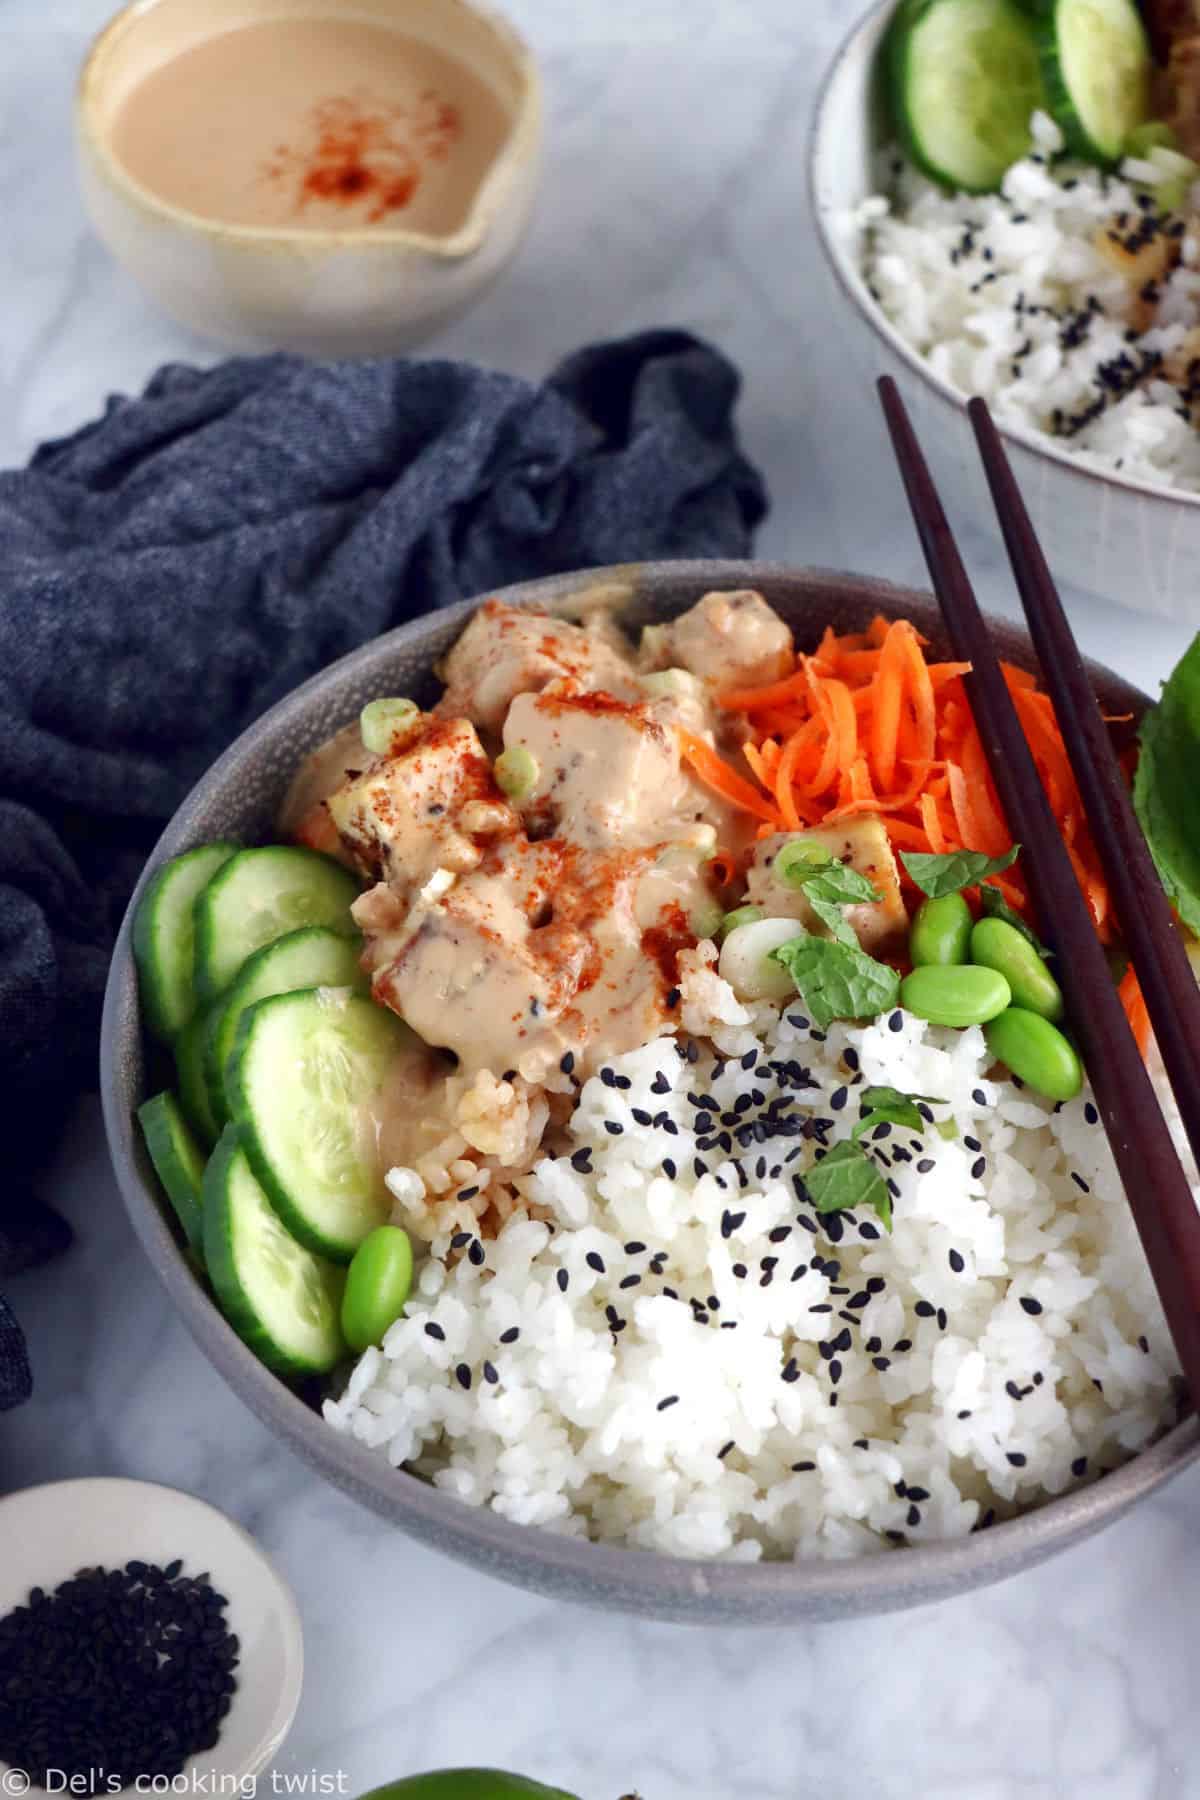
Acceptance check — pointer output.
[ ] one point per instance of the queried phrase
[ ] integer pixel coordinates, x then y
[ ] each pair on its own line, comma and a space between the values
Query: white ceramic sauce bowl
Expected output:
1126, 541
349, 292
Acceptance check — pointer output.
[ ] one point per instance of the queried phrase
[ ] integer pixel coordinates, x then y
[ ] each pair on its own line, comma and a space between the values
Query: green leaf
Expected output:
878, 1104
846, 1178
834, 919
828, 882
1166, 791
938, 875
994, 906
838, 980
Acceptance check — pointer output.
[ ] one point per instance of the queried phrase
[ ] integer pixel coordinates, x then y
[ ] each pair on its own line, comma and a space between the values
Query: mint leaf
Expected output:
938, 875
838, 980
834, 919
1166, 793
828, 884
878, 1104
994, 906
846, 1178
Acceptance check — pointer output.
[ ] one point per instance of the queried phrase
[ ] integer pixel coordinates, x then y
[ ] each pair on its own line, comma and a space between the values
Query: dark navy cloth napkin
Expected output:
173, 569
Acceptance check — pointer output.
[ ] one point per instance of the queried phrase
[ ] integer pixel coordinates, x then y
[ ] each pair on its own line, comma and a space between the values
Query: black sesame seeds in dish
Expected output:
114, 1675
673, 1004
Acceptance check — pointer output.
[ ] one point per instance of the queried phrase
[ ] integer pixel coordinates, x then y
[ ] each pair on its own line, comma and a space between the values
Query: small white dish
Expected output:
47, 1533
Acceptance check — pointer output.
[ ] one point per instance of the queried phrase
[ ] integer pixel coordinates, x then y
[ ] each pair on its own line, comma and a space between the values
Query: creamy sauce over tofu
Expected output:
538, 927
515, 930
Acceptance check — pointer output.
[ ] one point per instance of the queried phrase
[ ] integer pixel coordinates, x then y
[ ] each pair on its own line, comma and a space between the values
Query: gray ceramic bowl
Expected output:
237, 798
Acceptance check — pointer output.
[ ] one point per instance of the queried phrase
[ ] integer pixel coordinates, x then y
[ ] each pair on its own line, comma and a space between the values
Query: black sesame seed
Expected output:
802, 1468
668, 1168
740, 1270
972, 1143
979, 1097
563, 1280
460, 1240
489, 1373
896, 1021
671, 1400
641, 1116
1030, 1305
924, 1310
463, 1375
612, 1128
467, 1193
434, 1330
838, 1099
671, 999
567, 1062
581, 1162
1017, 1458
977, 1167
941, 1318
630, 1281
901, 1345
594, 1260
964, 1414
634, 1247
724, 1450
1090, 1113
1079, 1467
867, 1230
881, 1363
1080, 1182
925, 1165
608, 1077
790, 1370
476, 1254
511, 1335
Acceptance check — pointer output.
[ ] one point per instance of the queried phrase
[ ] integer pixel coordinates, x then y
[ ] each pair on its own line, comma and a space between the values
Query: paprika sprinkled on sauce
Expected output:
313, 124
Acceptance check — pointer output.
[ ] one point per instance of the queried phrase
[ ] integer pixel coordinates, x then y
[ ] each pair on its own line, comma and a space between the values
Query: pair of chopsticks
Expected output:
1155, 1183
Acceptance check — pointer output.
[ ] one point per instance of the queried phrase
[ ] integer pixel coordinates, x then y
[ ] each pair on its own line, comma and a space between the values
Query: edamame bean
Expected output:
995, 944
955, 994
1036, 1052
941, 932
377, 1285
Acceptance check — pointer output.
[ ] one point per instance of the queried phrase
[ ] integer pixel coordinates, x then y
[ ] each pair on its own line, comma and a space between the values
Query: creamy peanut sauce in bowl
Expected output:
333, 179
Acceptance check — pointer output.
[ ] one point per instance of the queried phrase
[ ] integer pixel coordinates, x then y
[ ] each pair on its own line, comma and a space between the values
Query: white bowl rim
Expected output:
519, 146
853, 286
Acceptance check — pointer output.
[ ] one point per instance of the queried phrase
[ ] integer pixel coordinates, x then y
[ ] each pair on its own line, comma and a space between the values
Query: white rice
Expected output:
690, 1360
995, 291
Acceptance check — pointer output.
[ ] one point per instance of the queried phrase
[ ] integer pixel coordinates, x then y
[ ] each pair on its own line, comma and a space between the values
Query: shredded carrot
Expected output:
718, 776
1130, 995
868, 724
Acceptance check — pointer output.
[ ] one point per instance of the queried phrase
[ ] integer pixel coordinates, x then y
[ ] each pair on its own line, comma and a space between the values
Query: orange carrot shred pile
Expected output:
867, 724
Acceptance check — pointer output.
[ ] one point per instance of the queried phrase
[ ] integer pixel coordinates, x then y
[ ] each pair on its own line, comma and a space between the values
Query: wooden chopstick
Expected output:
1155, 947
1155, 1184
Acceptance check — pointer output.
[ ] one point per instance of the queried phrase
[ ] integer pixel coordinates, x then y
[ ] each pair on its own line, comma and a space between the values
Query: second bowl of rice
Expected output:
1007, 295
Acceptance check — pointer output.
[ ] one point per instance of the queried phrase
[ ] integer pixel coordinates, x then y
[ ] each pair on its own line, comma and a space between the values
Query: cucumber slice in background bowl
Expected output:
259, 896
1097, 67
303, 1067
964, 78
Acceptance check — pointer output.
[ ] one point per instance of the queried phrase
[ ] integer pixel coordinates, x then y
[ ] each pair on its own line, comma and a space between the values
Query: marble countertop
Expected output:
673, 194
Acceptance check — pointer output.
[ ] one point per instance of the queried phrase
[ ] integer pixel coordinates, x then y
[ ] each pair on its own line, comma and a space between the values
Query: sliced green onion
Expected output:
669, 681
1154, 134
379, 720
797, 858
741, 915
705, 918
517, 770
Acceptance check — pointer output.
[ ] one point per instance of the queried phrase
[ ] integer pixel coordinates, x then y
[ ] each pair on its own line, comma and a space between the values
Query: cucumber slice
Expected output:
965, 78
178, 1160
281, 1300
163, 937
1097, 67
193, 1089
257, 897
302, 1067
314, 956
